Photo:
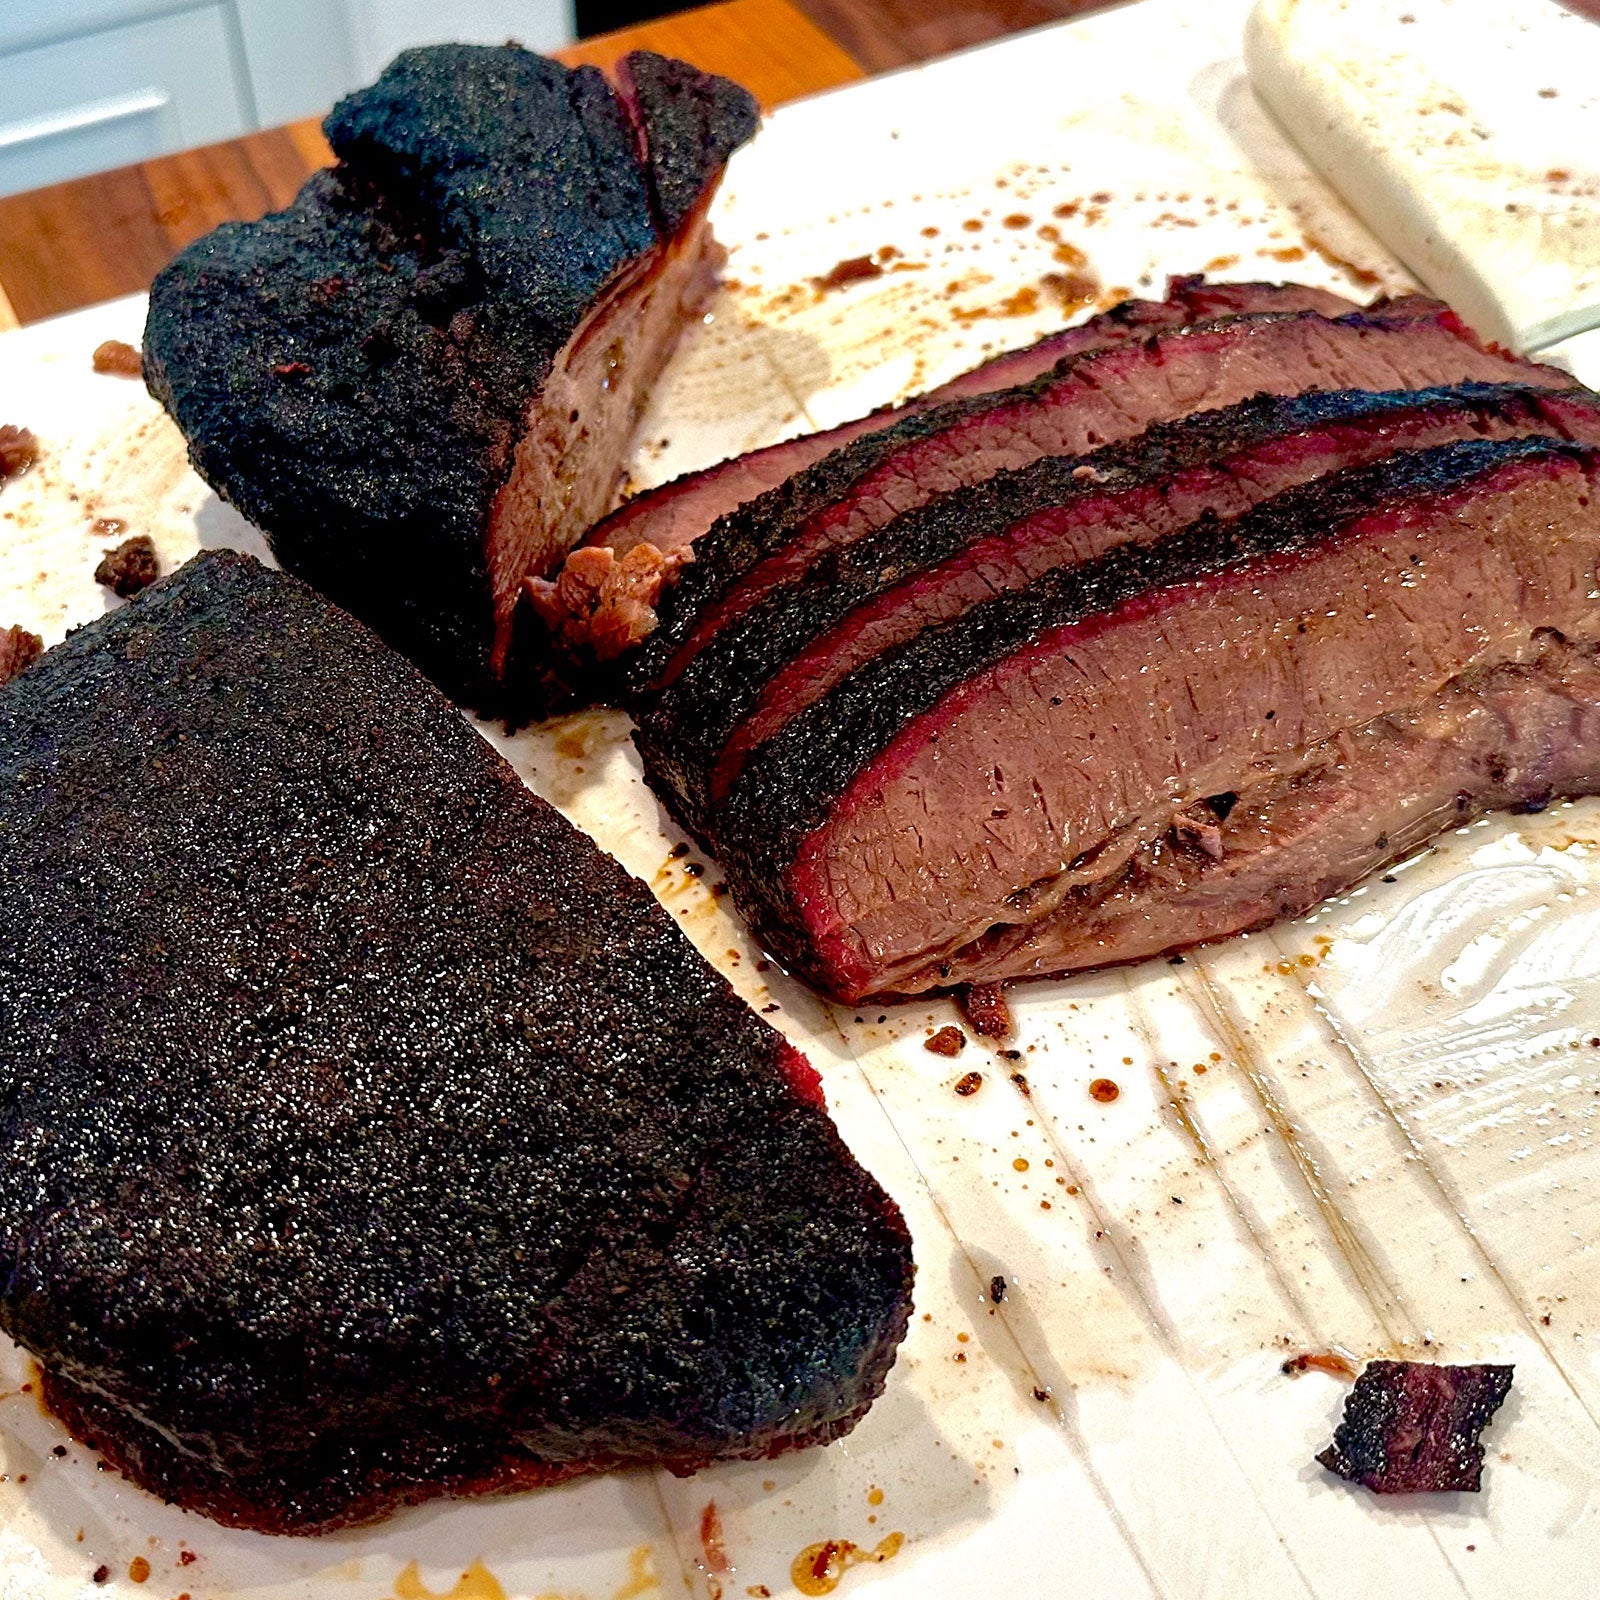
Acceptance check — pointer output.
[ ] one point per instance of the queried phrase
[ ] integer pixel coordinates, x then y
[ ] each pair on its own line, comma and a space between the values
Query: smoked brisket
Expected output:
602, 602
369, 1135
422, 379
964, 790
1092, 399
929, 565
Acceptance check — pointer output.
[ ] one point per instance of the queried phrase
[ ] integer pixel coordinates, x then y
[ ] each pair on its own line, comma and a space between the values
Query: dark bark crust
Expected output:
368, 1134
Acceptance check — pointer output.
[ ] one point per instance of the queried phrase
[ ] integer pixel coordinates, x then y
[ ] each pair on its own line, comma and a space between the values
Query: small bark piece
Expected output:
130, 567
118, 359
18, 649
984, 1006
19, 449
1411, 1427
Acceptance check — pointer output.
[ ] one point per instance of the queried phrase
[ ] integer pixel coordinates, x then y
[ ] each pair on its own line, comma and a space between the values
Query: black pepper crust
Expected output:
368, 1134
1412, 1427
353, 372
690, 122
789, 784
688, 723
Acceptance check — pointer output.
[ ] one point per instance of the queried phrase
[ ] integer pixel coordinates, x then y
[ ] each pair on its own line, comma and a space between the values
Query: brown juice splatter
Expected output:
476, 1583
819, 1568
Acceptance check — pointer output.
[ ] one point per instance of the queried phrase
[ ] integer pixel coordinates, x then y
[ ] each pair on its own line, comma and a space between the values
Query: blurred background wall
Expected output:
90, 84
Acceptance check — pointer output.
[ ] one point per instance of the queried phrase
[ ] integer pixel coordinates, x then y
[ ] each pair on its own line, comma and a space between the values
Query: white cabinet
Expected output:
122, 94
90, 84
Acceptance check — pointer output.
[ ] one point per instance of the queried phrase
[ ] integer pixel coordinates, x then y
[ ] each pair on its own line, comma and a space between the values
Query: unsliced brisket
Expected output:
602, 602
1093, 399
961, 549
969, 781
367, 1134
422, 379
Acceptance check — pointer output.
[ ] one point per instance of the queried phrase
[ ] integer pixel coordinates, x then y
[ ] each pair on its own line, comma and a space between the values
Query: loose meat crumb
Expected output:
947, 1042
130, 567
984, 1006
1411, 1426
600, 605
118, 359
18, 649
971, 1083
997, 1289
19, 449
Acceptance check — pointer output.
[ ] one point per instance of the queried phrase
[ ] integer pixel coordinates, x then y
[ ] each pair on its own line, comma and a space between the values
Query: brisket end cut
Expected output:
1413, 1427
369, 1135
422, 379
1240, 718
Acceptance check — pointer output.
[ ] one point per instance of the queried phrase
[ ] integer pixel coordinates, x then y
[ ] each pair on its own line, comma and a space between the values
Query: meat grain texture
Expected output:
367, 1134
422, 379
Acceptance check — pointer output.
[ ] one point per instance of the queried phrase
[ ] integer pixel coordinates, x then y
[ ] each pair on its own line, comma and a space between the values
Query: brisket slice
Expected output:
602, 602
1093, 399
422, 379
928, 566
970, 780
367, 1134
1508, 737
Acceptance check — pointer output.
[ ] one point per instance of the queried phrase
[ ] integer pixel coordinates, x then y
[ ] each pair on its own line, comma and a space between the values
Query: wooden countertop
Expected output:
74, 244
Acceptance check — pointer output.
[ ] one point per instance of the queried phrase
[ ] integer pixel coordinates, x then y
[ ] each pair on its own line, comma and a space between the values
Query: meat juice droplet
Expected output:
712, 1548
1104, 1090
819, 1568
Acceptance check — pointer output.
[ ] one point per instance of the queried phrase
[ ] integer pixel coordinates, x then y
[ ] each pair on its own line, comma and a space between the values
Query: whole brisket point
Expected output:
605, 612
370, 1136
1075, 736
421, 380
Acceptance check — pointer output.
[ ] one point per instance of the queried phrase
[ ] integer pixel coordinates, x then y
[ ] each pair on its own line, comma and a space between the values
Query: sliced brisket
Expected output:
602, 604
925, 567
367, 1134
1093, 399
1511, 737
967, 782
422, 379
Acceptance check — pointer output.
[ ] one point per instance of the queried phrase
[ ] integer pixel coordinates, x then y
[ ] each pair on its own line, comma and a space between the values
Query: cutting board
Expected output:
1373, 1129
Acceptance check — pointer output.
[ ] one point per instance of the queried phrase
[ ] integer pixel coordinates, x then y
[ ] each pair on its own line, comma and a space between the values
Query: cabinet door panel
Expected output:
81, 105
35, 22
